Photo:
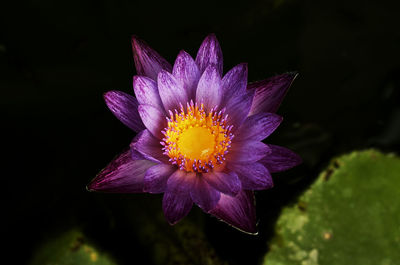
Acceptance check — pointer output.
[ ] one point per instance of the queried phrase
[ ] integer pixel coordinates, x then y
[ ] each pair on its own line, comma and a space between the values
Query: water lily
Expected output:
199, 135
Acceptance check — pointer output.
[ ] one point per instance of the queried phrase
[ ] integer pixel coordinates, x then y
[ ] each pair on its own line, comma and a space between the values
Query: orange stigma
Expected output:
197, 141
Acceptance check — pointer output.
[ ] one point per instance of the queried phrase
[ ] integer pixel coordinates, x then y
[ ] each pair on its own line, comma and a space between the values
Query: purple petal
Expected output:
247, 151
209, 89
187, 72
205, 196
280, 159
269, 93
234, 82
125, 108
155, 179
238, 108
122, 175
153, 119
225, 182
146, 92
258, 126
147, 61
171, 91
149, 147
176, 206
210, 53
238, 211
253, 176
181, 182
135, 154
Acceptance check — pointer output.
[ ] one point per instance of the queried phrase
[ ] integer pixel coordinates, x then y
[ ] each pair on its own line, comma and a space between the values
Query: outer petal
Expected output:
234, 82
226, 182
269, 93
205, 196
122, 175
135, 154
187, 72
247, 151
258, 126
209, 89
153, 118
253, 176
176, 206
155, 179
210, 53
181, 182
125, 108
147, 61
238, 108
280, 159
238, 211
146, 92
171, 91
149, 147
177, 201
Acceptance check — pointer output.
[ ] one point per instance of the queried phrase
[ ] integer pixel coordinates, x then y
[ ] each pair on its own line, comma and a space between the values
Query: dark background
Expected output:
57, 58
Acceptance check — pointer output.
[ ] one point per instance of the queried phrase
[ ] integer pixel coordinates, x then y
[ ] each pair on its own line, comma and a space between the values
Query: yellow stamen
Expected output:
197, 141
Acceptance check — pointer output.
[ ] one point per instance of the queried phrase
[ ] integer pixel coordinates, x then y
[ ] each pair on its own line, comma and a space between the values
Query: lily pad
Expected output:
70, 248
349, 215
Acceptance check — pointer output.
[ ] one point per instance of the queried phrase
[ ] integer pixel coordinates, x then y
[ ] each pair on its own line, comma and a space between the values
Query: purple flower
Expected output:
199, 135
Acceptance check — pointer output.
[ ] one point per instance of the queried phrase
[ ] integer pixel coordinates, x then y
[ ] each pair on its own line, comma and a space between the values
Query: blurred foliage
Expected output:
181, 244
70, 248
350, 215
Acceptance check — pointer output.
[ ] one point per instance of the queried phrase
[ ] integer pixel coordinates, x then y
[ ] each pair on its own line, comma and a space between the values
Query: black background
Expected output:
57, 58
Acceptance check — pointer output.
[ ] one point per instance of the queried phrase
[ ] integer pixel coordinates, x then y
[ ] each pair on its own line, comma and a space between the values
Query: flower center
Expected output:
195, 140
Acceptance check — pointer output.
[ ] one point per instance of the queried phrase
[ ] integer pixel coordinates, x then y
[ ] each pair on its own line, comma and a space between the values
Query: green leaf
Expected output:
70, 248
350, 215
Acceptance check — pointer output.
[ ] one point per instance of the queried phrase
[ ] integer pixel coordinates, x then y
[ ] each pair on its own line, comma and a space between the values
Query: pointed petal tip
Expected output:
280, 159
238, 212
89, 187
210, 53
148, 62
252, 230
172, 222
259, 126
137, 44
211, 36
162, 73
298, 160
134, 36
293, 75
125, 108
183, 52
269, 93
135, 40
95, 184
289, 76
243, 65
107, 94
